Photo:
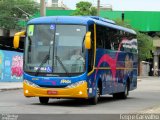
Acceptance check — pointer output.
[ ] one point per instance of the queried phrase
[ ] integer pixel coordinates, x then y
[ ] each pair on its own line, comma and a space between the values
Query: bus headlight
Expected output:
75, 84
30, 83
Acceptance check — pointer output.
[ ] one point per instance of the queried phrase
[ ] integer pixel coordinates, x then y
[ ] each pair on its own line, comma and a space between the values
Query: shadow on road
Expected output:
80, 102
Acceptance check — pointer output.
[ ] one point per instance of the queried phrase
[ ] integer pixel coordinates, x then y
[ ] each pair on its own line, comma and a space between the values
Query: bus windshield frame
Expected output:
55, 49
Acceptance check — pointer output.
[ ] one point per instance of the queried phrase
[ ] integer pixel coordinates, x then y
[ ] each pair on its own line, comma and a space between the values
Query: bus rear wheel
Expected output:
43, 100
122, 95
126, 92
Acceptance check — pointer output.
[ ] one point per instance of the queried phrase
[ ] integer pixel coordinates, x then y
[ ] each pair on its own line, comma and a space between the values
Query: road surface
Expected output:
146, 96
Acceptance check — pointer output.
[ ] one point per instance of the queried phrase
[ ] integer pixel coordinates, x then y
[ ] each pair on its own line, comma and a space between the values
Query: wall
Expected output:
144, 21
12, 31
11, 66
56, 13
144, 68
113, 15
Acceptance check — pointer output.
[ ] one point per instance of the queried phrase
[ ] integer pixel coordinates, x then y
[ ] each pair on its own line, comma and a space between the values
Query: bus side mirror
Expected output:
87, 42
17, 39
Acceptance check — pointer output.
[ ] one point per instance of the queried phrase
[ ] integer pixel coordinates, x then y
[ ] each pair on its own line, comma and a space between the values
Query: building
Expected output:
54, 4
50, 3
156, 53
106, 7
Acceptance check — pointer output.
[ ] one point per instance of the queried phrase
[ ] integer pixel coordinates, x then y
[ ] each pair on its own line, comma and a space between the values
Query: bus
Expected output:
78, 57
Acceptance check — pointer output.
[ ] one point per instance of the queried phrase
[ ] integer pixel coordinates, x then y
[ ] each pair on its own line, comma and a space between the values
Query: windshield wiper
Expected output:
42, 63
57, 57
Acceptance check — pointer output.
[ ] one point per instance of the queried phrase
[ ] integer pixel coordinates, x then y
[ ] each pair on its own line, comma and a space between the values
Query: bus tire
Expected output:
122, 95
94, 100
43, 100
125, 94
116, 95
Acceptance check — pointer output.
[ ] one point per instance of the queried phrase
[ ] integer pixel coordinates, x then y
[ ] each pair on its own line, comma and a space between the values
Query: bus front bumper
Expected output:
79, 91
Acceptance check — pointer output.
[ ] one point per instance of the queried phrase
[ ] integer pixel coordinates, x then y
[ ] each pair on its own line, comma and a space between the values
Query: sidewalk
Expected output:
139, 78
152, 110
10, 85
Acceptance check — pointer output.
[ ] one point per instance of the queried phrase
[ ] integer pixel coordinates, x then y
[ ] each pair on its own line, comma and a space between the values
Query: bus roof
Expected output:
85, 20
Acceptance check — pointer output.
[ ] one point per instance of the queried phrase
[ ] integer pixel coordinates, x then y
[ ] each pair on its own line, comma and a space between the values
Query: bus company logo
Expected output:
65, 81
35, 78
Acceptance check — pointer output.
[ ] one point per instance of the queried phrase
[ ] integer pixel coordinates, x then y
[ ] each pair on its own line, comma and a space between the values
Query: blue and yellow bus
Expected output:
78, 57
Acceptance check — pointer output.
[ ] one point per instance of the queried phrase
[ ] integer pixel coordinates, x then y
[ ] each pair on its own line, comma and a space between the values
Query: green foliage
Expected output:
145, 46
85, 8
11, 14
145, 42
158, 34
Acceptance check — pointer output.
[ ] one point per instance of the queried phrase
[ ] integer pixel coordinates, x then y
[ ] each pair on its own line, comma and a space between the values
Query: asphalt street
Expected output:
146, 96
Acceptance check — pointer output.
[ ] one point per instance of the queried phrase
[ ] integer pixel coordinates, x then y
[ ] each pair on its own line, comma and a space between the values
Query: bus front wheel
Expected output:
94, 100
43, 100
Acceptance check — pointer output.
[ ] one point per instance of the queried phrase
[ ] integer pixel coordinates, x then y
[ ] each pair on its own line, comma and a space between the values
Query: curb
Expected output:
8, 89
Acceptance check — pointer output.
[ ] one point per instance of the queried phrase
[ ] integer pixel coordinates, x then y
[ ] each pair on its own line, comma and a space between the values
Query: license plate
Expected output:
52, 92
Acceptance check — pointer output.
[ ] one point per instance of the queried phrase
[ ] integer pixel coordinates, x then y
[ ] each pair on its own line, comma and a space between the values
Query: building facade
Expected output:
53, 3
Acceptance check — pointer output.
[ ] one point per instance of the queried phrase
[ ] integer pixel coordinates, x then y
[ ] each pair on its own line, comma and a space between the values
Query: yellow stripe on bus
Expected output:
95, 37
108, 68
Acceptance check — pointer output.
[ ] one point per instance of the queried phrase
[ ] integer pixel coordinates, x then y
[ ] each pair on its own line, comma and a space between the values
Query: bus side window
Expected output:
91, 51
99, 30
107, 42
114, 38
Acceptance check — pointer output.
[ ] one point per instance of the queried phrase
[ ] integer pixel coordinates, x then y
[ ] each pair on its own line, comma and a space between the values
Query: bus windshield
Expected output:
55, 49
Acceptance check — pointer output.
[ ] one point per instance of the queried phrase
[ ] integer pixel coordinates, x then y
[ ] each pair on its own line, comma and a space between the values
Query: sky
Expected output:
122, 5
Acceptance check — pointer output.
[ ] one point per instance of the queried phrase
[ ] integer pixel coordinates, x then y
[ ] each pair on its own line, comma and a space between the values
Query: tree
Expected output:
85, 8
145, 42
14, 11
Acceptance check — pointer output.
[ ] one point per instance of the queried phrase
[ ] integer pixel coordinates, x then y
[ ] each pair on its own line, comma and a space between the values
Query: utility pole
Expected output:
98, 7
43, 8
